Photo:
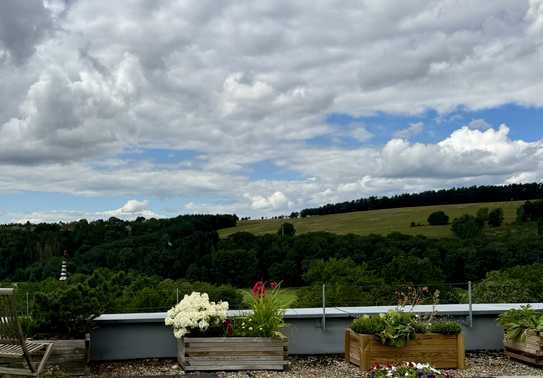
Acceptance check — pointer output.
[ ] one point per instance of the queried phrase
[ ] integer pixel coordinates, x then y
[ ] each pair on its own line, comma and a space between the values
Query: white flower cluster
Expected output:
195, 311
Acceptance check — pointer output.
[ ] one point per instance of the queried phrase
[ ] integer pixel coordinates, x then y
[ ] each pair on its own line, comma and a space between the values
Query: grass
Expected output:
376, 221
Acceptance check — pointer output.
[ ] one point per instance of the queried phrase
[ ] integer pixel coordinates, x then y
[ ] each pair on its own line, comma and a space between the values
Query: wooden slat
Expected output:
238, 357
224, 367
230, 340
236, 353
523, 357
441, 351
234, 348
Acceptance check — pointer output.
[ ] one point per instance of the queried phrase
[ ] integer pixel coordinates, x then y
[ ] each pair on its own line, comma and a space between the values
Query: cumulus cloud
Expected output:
243, 82
22, 25
131, 210
275, 201
478, 124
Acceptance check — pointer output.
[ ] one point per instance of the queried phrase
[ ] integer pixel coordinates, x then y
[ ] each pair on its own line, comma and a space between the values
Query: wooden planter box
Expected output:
232, 353
528, 350
440, 351
69, 356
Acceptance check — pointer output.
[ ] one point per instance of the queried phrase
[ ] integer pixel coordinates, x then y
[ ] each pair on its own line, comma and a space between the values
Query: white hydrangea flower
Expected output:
195, 311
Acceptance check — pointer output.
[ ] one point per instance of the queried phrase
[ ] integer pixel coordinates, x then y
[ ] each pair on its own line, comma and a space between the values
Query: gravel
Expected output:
477, 365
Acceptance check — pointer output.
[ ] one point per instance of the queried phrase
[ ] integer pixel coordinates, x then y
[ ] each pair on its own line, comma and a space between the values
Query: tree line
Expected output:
474, 194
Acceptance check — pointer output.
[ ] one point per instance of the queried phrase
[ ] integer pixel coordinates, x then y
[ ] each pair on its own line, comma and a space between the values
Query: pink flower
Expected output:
259, 289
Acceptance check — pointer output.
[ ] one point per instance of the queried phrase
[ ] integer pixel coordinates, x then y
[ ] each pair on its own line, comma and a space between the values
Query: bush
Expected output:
514, 285
482, 215
286, 230
438, 218
66, 312
368, 325
445, 328
495, 217
467, 227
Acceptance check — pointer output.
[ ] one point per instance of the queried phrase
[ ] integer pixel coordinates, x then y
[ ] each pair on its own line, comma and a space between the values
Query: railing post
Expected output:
323, 307
176, 295
470, 305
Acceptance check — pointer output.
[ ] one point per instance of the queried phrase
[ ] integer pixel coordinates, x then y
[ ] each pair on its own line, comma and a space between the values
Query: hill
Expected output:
376, 221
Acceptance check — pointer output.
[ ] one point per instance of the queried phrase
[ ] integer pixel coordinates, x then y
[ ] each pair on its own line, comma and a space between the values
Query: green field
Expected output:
376, 221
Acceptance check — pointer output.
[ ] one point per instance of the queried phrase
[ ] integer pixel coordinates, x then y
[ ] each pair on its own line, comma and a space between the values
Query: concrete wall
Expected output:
133, 336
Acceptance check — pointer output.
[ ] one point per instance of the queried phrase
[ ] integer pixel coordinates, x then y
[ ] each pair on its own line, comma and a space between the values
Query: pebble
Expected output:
481, 364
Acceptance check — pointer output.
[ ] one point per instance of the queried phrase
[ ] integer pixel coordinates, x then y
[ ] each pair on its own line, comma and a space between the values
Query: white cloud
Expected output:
410, 131
131, 210
478, 124
244, 82
276, 201
362, 134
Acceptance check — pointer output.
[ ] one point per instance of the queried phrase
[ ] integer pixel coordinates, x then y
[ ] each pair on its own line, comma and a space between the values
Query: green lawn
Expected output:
376, 221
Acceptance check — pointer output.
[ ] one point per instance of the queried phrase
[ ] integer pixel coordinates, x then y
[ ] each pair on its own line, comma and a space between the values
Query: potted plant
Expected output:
208, 340
400, 335
523, 334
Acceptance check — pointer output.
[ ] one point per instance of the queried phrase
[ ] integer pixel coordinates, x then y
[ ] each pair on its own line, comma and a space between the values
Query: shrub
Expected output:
286, 230
395, 328
445, 328
466, 227
482, 215
495, 217
514, 285
66, 312
438, 218
368, 325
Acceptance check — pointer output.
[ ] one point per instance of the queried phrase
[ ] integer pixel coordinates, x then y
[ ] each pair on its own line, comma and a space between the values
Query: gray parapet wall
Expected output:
144, 335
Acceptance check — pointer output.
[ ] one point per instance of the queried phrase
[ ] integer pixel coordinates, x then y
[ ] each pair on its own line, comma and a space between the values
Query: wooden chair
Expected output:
13, 346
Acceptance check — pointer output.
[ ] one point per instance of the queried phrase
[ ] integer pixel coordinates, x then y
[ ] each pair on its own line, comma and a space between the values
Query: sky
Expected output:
158, 108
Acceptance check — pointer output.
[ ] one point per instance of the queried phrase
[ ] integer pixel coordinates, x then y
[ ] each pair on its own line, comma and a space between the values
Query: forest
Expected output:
473, 194
146, 264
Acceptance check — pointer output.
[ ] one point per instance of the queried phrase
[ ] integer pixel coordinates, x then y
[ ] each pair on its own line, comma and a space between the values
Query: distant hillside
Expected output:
473, 194
376, 221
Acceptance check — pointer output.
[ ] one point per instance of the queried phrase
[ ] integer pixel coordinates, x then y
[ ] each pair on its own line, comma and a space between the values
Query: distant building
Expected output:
63, 269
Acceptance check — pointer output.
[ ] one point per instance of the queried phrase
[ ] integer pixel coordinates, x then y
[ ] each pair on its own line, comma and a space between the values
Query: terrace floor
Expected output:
483, 364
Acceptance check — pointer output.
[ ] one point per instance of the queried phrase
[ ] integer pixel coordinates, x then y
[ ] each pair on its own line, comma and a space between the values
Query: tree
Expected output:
495, 217
482, 215
286, 230
294, 214
466, 227
438, 218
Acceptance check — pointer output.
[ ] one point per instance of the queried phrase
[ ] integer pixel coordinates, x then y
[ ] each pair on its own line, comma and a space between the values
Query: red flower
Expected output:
229, 328
259, 289
274, 285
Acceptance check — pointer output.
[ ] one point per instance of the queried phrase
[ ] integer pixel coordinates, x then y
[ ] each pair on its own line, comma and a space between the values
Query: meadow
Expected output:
381, 222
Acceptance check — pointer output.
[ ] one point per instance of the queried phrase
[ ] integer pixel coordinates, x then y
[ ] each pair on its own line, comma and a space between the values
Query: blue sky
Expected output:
294, 107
